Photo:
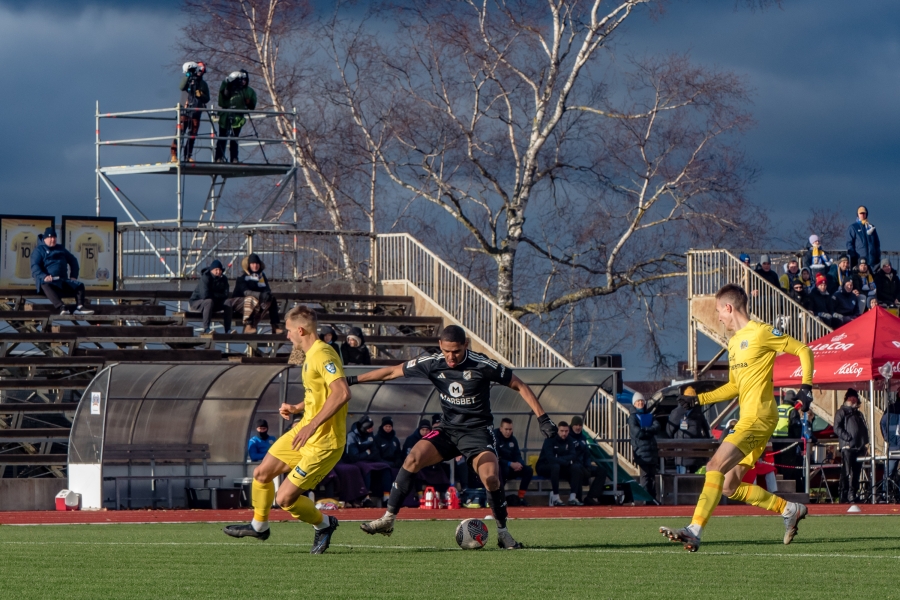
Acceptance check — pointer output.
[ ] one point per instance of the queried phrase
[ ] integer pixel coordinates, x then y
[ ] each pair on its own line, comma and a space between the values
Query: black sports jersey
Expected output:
465, 389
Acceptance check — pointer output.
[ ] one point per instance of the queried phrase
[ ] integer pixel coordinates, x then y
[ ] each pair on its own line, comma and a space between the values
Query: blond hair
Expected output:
304, 315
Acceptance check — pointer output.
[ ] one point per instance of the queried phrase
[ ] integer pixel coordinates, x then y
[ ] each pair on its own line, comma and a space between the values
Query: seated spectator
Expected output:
791, 274
423, 430
253, 296
512, 465
865, 281
816, 259
261, 442
764, 270
846, 302
807, 279
644, 428
585, 458
211, 294
388, 445
689, 424
362, 451
745, 258
327, 334
55, 272
557, 460
798, 294
437, 476
862, 239
873, 302
354, 350
887, 285
839, 273
821, 304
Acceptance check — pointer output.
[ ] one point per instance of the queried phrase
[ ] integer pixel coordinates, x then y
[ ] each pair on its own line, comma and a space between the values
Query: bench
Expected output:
681, 448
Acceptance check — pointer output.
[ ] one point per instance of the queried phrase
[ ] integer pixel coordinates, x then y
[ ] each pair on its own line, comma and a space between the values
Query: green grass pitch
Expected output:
741, 557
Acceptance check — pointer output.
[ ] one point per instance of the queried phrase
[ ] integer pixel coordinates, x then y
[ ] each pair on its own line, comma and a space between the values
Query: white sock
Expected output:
789, 509
554, 498
259, 526
326, 521
389, 515
571, 496
695, 529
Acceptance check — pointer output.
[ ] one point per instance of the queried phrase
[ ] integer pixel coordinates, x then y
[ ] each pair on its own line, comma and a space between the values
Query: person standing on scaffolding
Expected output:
194, 94
235, 93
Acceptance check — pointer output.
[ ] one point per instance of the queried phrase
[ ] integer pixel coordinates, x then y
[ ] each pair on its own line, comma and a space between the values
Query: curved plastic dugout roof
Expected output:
215, 403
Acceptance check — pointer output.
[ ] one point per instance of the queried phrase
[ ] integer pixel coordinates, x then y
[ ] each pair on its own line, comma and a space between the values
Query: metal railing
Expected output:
608, 419
152, 253
401, 257
709, 270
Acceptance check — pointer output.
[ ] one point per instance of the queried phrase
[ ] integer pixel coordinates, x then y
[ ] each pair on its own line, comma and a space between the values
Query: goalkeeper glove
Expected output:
688, 398
804, 397
352, 380
548, 427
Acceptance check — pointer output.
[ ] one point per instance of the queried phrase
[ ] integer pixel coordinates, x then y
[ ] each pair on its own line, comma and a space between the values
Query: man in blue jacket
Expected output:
557, 459
862, 239
261, 442
55, 272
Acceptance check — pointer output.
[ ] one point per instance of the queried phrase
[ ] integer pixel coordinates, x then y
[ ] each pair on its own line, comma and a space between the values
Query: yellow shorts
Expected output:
751, 436
309, 465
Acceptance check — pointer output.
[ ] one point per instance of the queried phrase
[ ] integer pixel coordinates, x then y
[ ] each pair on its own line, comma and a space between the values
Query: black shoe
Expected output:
246, 531
323, 537
367, 503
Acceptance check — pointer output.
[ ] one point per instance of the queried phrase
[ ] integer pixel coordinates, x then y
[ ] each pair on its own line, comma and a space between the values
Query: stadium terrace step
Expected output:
35, 435
147, 310
7, 408
341, 319
36, 338
42, 362
43, 384
124, 331
35, 460
120, 355
52, 316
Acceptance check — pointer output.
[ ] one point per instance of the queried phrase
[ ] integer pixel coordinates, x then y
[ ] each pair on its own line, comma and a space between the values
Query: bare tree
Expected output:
829, 224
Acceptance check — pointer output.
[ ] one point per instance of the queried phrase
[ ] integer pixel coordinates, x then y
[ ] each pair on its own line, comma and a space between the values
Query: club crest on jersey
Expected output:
329, 366
744, 344
456, 389
467, 375
777, 332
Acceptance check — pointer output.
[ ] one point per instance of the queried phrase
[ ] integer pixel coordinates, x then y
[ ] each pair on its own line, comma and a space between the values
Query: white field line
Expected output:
382, 547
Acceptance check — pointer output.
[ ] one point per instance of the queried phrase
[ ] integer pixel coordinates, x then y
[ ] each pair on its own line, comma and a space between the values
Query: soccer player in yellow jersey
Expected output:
751, 357
313, 447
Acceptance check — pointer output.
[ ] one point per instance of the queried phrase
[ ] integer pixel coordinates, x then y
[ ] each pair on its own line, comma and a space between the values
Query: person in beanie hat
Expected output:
589, 468
764, 270
362, 450
211, 294
816, 259
261, 442
388, 444
253, 297
850, 427
821, 304
839, 273
354, 351
887, 285
55, 272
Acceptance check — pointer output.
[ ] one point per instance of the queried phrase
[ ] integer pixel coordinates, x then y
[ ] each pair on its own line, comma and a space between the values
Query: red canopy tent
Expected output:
848, 356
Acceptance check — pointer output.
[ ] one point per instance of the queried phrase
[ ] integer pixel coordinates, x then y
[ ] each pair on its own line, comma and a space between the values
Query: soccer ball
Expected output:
471, 534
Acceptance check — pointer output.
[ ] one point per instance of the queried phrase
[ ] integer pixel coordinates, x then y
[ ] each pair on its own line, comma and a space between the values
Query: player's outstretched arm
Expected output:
548, 427
339, 396
383, 374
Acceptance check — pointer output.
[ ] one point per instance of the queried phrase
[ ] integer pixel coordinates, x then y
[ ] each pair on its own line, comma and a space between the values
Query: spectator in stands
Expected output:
839, 273
388, 445
512, 465
745, 260
850, 427
862, 239
211, 294
585, 457
437, 476
688, 424
423, 430
791, 274
644, 429
362, 451
890, 431
798, 294
846, 302
253, 296
261, 442
557, 460
327, 334
807, 279
873, 302
816, 259
821, 304
235, 93
865, 281
887, 285
55, 272
354, 351
764, 270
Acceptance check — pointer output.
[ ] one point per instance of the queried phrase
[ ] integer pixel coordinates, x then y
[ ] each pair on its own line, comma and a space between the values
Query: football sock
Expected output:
498, 507
757, 496
262, 495
325, 522
521, 493
305, 510
259, 526
571, 496
709, 498
400, 490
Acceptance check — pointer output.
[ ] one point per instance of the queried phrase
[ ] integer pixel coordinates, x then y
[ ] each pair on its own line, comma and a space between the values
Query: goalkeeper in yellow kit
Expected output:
751, 357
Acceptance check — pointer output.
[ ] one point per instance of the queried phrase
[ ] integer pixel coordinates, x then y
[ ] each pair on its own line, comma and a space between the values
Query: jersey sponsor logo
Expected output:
742, 365
455, 389
411, 364
441, 376
467, 375
300, 471
459, 401
329, 366
849, 369
744, 344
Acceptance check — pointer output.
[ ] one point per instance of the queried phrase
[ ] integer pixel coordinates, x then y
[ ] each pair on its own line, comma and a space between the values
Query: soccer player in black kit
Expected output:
464, 380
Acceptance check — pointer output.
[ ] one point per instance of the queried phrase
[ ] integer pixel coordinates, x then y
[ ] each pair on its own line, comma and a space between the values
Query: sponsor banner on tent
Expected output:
93, 242
18, 239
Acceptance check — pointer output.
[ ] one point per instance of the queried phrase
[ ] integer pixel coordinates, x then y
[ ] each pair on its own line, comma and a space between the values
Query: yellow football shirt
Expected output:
751, 359
23, 245
321, 368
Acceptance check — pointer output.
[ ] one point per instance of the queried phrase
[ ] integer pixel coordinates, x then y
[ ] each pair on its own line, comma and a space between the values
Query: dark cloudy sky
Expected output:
825, 74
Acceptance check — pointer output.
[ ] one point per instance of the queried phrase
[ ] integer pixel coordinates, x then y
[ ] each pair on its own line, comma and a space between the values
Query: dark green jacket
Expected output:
237, 99
193, 100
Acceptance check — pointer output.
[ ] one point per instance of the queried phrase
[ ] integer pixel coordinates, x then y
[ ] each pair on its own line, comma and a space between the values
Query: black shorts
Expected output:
468, 442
